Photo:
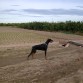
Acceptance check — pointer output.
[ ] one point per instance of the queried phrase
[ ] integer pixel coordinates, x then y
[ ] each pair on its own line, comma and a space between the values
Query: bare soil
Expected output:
64, 64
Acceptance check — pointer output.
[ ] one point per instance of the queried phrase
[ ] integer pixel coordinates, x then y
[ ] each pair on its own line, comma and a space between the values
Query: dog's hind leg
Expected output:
33, 55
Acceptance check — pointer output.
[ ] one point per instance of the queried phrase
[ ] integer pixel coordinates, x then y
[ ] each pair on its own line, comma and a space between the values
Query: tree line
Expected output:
67, 26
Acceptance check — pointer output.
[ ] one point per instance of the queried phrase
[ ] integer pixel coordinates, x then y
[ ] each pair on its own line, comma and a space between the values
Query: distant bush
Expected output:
67, 26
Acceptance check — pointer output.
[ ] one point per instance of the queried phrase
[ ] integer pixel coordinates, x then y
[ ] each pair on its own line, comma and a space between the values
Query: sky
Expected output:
19, 11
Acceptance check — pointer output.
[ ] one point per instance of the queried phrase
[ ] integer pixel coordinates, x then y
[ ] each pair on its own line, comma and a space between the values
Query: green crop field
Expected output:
68, 26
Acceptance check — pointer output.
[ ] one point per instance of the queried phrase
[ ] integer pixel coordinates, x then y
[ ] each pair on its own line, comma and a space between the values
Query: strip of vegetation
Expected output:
68, 26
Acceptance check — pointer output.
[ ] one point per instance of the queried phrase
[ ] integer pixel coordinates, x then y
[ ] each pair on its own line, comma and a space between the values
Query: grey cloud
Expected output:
79, 6
55, 11
38, 11
8, 10
15, 5
42, 12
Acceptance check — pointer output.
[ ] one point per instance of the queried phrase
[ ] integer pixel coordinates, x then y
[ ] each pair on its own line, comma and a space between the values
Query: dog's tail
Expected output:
31, 53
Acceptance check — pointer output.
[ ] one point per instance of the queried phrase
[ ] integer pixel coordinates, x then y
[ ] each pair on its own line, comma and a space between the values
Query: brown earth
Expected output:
64, 65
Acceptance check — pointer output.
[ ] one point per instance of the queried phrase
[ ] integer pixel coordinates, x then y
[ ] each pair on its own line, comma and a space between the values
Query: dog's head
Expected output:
49, 40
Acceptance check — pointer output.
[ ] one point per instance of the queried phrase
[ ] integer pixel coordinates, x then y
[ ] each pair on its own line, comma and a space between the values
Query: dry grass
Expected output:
12, 37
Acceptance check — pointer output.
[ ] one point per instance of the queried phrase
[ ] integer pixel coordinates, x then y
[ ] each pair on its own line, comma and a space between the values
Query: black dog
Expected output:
42, 47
